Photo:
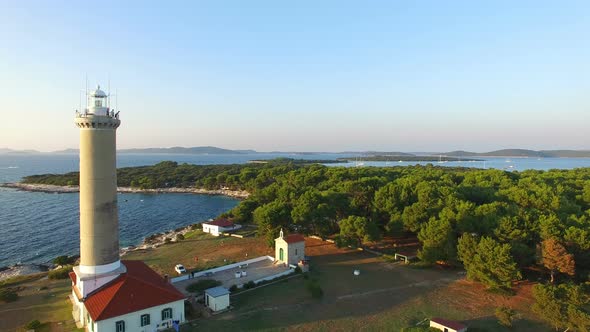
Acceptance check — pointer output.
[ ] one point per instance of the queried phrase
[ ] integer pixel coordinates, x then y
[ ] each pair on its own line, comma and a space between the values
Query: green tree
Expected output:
270, 218
466, 251
505, 316
438, 241
491, 264
242, 213
358, 229
563, 306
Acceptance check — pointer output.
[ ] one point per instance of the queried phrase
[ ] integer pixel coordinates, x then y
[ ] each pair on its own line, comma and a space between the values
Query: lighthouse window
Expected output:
98, 103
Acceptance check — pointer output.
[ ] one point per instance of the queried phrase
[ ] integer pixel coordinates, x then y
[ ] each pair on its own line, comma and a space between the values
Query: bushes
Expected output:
8, 295
314, 288
233, 288
249, 284
201, 285
505, 316
421, 329
179, 237
33, 325
62, 273
64, 260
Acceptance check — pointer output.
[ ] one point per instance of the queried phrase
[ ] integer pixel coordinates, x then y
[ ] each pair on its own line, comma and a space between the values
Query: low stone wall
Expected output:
222, 268
284, 273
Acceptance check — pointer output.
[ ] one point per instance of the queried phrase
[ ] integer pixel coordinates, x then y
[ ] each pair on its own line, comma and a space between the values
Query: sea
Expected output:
36, 227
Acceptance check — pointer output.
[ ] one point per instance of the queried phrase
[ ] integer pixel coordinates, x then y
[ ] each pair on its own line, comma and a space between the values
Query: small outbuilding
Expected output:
289, 249
446, 325
219, 226
217, 298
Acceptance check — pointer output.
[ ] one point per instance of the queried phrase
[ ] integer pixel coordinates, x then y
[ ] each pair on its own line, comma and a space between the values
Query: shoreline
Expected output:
151, 241
48, 188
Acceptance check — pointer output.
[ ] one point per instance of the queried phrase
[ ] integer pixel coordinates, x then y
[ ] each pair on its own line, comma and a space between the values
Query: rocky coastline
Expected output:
150, 242
48, 188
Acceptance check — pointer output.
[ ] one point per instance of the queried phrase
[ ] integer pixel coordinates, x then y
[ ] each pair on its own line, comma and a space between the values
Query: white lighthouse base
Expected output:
100, 269
89, 282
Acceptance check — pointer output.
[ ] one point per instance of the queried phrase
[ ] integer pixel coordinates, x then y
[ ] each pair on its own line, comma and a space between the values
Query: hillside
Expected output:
174, 150
12, 151
523, 153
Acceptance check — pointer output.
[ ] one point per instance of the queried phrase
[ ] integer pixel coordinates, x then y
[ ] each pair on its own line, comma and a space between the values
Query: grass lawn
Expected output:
211, 251
385, 297
41, 299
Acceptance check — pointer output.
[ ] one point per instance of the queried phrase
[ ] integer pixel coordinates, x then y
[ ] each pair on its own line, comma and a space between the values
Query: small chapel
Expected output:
290, 249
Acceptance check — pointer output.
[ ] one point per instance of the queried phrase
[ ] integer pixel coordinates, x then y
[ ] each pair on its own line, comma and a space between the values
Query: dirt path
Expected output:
426, 283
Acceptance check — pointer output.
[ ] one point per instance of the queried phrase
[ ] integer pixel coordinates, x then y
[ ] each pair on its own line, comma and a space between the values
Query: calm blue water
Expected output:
36, 227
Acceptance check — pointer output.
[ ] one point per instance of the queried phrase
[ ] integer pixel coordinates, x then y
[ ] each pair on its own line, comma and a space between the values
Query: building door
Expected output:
281, 255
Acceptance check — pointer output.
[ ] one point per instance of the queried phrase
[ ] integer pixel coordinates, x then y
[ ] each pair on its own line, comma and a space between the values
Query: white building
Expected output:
217, 298
219, 226
446, 325
289, 249
137, 300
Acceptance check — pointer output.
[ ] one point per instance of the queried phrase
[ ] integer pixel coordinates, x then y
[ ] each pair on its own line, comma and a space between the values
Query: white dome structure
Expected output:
98, 93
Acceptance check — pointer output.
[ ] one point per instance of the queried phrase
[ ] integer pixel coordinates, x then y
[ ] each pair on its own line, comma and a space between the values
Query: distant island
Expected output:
173, 150
523, 153
278, 161
379, 155
407, 157
12, 151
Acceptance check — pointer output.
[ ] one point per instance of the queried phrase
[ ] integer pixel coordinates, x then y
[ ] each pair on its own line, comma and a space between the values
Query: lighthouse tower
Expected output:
99, 218
109, 294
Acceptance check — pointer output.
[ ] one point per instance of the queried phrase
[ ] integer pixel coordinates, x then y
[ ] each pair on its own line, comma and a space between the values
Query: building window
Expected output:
145, 320
295, 252
98, 103
167, 314
120, 326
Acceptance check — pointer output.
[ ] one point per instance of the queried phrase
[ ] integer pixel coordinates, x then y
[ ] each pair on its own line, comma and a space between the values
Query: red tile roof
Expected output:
73, 277
137, 289
294, 238
221, 222
448, 323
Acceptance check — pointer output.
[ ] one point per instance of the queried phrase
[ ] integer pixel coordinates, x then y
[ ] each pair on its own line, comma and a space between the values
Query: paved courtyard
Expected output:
254, 271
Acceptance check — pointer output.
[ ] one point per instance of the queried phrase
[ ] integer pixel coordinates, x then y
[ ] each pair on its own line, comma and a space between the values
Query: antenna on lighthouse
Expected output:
109, 95
86, 89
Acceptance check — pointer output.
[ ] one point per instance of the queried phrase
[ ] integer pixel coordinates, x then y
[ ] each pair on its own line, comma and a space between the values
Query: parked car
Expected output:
180, 269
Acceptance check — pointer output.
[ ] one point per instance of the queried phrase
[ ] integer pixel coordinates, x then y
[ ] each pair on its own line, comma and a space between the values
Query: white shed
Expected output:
217, 298
446, 325
219, 226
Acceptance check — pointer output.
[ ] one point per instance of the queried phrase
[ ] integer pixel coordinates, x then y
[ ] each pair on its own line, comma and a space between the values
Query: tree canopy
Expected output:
507, 215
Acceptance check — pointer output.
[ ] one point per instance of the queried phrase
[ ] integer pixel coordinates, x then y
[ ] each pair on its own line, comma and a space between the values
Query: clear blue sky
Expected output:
302, 75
